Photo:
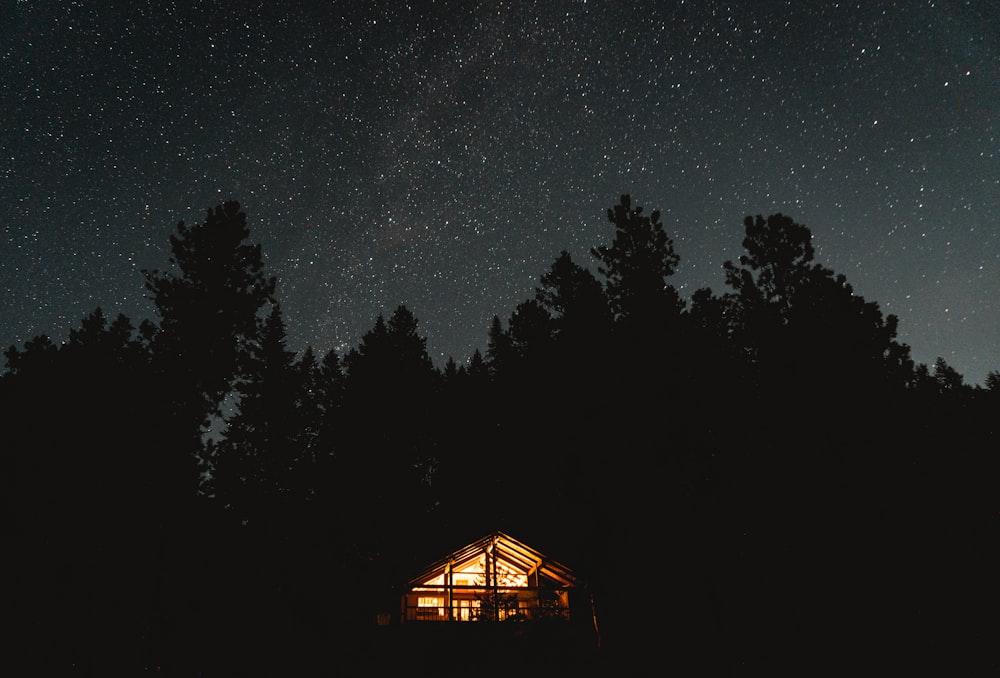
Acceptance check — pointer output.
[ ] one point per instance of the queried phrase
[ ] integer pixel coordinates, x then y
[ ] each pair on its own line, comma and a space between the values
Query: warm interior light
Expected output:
496, 578
474, 573
429, 601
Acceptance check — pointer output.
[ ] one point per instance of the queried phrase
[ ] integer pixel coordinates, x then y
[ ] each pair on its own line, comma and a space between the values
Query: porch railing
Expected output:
526, 609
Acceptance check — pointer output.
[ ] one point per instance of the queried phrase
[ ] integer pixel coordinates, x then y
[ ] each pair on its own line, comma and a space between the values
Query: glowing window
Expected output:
429, 601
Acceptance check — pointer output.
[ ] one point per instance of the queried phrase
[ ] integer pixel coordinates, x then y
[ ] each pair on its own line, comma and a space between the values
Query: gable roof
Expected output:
512, 553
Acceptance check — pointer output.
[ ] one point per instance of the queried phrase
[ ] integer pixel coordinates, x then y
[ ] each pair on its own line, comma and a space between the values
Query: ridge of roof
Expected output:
507, 547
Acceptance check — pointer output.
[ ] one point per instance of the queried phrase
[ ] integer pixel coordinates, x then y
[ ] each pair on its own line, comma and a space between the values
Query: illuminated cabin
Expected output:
496, 578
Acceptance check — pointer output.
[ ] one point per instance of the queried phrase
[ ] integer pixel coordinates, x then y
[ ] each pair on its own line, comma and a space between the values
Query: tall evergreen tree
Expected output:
580, 323
500, 352
387, 450
636, 266
778, 261
477, 369
992, 382
329, 394
574, 298
261, 444
531, 334
209, 314
947, 378
796, 319
390, 353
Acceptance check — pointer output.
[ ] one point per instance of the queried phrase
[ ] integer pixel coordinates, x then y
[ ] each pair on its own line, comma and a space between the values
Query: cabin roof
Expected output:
507, 549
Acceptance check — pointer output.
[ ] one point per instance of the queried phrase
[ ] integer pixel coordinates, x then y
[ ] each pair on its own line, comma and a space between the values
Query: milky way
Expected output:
441, 155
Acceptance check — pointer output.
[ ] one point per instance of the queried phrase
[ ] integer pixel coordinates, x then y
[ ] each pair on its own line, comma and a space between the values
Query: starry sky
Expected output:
442, 154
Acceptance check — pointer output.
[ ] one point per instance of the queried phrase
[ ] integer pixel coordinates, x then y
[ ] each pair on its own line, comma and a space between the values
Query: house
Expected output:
496, 578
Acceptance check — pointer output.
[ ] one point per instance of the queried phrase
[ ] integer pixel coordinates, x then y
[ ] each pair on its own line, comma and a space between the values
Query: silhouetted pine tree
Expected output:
649, 343
209, 308
636, 266
576, 303
500, 353
580, 332
816, 422
209, 314
531, 334
477, 369
795, 319
385, 459
267, 455
328, 383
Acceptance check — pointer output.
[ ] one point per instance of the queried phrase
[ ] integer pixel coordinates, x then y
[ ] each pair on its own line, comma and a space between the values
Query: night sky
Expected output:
442, 154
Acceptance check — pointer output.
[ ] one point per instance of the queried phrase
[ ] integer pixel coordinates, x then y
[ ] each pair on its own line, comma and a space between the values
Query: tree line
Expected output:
727, 470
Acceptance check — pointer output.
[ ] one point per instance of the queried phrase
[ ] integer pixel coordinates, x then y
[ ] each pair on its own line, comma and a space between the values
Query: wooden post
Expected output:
538, 588
451, 585
496, 592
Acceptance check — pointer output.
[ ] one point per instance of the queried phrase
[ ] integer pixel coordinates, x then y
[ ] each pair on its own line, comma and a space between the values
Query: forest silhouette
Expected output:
760, 479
